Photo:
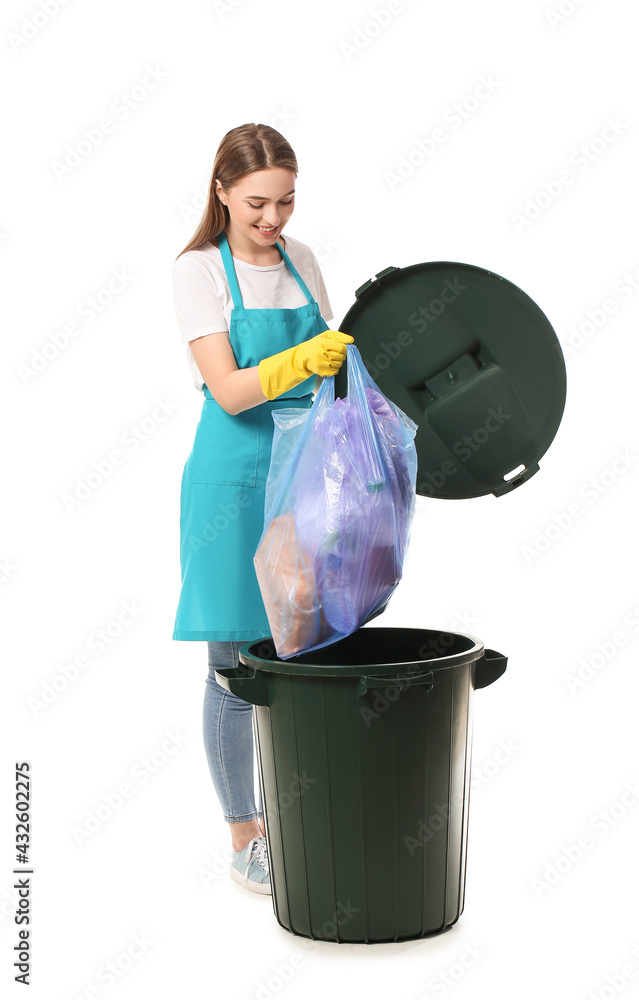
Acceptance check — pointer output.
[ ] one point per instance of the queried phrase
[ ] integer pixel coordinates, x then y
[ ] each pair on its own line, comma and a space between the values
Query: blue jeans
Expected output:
228, 739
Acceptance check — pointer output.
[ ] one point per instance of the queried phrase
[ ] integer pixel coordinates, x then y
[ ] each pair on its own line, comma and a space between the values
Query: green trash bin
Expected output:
364, 746
364, 751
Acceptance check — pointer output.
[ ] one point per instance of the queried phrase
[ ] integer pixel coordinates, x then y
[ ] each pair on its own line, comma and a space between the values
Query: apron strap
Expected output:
294, 272
229, 267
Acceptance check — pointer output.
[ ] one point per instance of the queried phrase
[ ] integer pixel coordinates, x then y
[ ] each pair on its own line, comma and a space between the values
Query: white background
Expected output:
354, 87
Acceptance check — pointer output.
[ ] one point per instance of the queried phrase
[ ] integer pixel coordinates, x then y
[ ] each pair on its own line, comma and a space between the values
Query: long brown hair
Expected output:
242, 150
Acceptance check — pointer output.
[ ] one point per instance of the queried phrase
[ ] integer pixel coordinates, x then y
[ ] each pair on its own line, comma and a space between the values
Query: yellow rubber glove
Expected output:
321, 355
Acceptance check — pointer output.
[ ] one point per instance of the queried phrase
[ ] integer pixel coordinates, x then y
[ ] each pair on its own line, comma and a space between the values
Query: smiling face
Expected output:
259, 205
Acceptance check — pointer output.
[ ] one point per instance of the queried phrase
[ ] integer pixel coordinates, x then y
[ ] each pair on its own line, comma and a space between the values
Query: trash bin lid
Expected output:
473, 361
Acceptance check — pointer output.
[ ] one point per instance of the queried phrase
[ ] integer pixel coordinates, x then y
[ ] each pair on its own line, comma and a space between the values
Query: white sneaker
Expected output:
250, 867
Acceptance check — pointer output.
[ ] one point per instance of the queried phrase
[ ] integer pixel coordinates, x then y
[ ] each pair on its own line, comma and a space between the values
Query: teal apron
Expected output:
224, 478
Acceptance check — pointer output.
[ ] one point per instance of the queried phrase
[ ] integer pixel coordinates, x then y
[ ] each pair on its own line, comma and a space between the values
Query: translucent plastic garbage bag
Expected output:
340, 499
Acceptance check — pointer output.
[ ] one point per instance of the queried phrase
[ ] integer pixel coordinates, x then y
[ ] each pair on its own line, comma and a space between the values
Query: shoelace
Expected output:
256, 851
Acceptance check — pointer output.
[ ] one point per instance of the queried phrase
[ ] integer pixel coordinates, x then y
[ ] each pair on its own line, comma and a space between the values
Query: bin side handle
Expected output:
488, 668
247, 683
394, 681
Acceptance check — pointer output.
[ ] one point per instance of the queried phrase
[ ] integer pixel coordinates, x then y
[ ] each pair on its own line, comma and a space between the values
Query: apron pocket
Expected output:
226, 447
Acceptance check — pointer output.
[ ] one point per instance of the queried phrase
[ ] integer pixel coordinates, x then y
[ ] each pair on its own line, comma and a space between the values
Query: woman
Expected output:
256, 340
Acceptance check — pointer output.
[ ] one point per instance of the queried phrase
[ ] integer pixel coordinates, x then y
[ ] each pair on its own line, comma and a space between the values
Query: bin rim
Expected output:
474, 652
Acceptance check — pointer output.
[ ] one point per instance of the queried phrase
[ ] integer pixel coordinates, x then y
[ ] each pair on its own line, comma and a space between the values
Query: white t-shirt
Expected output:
202, 297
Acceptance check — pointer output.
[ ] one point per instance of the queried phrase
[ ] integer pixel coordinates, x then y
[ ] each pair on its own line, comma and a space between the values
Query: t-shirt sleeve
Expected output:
197, 303
323, 302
